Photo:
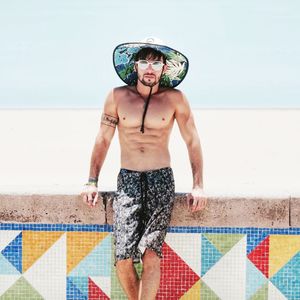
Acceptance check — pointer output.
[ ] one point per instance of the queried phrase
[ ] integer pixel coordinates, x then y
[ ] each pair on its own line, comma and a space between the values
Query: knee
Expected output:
151, 261
124, 265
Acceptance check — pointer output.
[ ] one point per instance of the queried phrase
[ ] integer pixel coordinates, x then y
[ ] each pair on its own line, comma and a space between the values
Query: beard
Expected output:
148, 82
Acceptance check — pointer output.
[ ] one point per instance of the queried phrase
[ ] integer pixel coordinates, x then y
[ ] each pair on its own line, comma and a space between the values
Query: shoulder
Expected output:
122, 90
178, 98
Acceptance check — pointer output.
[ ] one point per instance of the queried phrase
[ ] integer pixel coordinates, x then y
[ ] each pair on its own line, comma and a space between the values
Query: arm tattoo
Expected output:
109, 120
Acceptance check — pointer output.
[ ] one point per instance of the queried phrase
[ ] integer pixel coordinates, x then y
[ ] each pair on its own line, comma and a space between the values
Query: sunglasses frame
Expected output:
150, 63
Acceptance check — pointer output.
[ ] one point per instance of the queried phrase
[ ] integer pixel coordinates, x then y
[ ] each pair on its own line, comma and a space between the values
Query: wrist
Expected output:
93, 181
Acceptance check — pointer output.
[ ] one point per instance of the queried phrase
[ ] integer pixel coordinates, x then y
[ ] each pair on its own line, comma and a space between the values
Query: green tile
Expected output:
21, 289
261, 294
207, 293
224, 242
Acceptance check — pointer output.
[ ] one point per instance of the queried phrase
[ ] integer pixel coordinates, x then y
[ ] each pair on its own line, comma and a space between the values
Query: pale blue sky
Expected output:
58, 53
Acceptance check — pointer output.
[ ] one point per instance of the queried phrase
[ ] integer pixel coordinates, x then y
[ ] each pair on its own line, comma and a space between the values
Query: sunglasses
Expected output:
144, 64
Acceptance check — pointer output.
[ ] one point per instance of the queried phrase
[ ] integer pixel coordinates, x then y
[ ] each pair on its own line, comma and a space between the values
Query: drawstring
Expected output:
144, 187
145, 110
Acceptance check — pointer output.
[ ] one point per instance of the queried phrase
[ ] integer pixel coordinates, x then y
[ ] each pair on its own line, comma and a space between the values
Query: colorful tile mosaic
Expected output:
73, 262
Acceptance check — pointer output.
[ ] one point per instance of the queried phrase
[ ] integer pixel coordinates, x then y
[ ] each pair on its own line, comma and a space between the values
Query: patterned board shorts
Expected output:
142, 212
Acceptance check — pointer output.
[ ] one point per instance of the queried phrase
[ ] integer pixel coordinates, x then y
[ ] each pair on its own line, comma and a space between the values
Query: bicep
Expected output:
185, 120
109, 118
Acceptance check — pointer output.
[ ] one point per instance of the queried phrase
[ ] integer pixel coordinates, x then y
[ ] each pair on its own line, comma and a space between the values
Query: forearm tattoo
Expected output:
109, 120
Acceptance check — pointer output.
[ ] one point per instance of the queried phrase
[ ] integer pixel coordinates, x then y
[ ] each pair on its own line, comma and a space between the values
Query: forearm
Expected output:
98, 156
196, 159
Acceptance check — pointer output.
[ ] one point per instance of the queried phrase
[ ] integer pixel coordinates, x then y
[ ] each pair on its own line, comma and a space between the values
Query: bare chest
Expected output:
160, 113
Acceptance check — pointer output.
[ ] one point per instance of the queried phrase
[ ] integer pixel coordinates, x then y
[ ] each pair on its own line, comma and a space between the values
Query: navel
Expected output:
142, 149
163, 119
124, 118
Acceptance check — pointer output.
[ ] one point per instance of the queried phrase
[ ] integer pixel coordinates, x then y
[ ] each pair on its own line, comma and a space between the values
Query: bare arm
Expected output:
186, 124
183, 114
109, 121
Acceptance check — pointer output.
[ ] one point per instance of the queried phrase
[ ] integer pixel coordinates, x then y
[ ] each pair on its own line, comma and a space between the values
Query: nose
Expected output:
149, 67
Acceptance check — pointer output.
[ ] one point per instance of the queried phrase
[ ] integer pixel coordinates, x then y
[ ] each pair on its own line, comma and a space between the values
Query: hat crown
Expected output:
153, 40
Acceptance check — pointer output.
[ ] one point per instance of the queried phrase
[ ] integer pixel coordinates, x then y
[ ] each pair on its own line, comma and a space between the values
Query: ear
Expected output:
135, 67
165, 68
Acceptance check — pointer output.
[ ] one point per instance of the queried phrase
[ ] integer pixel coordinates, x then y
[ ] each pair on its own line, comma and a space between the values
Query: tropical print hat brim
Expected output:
124, 58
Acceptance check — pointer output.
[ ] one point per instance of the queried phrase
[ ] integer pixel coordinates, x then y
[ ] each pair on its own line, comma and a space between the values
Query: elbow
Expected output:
102, 141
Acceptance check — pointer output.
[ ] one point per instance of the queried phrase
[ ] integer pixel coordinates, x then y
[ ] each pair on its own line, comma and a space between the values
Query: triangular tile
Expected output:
274, 293
95, 292
73, 293
21, 287
103, 282
287, 279
6, 281
209, 255
261, 294
6, 267
50, 270
193, 292
223, 241
97, 262
7, 236
254, 278
254, 239
176, 276
35, 244
260, 256
207, 293
188, 247
13, 252
280, 253
227, 278
81, 284
80, 244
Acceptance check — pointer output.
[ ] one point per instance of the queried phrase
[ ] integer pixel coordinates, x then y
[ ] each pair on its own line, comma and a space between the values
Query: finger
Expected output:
84, 198
90, 199
95, 199
195, 203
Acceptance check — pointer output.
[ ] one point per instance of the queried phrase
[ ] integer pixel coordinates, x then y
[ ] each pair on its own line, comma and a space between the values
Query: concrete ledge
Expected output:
295, 212
231, 212
49, 209
221, 211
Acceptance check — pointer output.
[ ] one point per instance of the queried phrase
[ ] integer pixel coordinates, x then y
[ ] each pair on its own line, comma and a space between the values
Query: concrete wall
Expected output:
220, 211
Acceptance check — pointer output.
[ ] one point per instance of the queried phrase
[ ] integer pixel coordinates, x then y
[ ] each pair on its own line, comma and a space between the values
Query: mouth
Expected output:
149, 75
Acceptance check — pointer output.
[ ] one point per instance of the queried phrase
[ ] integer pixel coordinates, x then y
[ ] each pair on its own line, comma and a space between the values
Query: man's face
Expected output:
150, 70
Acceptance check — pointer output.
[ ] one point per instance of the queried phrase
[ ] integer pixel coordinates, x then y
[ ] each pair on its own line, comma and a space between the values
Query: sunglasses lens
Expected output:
143, 64
157, 65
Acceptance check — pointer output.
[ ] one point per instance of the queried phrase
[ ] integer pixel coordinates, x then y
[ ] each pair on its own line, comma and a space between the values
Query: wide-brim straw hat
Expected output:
124, 59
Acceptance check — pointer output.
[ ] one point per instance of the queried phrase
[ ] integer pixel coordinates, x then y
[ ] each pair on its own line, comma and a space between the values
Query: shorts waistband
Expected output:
146, 171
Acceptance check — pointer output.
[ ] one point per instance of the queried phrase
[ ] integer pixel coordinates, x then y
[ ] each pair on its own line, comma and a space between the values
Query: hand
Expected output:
196, 200
90, 194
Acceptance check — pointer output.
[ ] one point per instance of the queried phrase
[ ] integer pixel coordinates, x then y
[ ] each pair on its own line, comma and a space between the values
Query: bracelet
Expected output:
92, 184
93, 181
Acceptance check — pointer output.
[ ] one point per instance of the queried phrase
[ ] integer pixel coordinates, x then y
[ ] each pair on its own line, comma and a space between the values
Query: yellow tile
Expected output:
282, 249
79, 244
193, 292
35, 244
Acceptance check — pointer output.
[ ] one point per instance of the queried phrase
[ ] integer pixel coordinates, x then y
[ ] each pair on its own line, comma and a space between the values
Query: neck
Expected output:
144, 90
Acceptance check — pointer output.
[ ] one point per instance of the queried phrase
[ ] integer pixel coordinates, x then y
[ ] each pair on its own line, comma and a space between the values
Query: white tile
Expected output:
48, 274
6, 236
227, 278
274, 293
188, 247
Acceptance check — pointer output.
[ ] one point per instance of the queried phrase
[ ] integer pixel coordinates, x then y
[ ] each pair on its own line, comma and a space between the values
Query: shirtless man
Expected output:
145, 192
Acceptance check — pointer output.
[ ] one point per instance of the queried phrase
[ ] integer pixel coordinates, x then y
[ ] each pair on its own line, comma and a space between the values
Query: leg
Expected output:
128, 278
149, 283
